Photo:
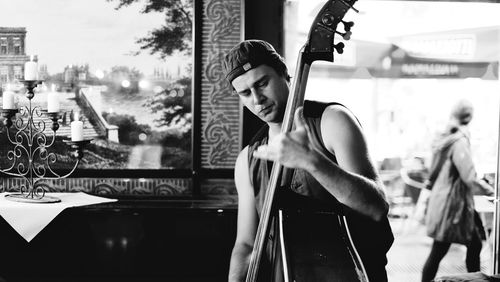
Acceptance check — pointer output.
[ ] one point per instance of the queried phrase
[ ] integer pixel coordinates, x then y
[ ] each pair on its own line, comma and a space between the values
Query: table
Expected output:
180, 239
485, 207
29, 218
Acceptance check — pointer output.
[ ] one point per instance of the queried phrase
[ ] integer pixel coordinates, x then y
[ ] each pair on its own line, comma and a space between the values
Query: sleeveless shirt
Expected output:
372, 239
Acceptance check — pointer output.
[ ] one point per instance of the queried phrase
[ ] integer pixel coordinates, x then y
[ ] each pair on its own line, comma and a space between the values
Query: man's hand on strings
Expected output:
293, 149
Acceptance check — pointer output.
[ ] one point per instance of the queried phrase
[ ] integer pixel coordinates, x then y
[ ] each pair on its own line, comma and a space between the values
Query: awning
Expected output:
452, 54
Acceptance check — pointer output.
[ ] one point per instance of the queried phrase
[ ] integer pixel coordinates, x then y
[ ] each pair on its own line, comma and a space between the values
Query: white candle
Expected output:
52, 102
76, 130
8, 100
30, 70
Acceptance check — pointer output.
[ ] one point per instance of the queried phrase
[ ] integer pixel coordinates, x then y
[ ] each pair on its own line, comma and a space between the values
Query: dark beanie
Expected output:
247, 55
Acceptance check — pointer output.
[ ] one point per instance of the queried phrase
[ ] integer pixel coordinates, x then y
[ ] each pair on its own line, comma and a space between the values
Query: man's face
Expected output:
263, 92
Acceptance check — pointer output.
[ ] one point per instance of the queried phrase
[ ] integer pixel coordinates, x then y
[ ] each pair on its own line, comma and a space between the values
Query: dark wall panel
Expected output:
263, 20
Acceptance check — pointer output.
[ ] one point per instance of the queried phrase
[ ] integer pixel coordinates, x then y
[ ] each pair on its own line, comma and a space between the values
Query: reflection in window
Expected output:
121, 88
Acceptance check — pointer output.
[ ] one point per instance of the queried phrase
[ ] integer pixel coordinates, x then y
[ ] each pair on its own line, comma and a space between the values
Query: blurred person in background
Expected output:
453, 181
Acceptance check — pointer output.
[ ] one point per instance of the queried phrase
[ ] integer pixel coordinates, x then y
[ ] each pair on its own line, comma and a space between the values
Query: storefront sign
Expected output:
446, 46
429, 69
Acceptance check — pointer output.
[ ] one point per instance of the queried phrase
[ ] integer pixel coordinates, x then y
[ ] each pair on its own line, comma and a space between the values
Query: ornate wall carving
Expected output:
109, 186
220, 114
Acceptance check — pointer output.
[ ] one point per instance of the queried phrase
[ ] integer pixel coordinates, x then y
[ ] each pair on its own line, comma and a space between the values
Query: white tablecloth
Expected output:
484, 204
28, 219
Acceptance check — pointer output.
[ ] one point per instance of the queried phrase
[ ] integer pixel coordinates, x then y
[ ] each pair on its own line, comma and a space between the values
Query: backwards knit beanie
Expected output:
247, 55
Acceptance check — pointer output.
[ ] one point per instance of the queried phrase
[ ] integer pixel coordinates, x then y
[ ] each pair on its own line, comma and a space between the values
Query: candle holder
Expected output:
30, 158
78, 147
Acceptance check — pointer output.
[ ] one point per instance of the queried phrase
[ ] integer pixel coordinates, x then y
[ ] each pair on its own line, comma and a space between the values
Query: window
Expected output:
82, 75
17, 45
3, 45
161, 119
4, 74
401, 75
113, 84
18, 72
404, 68
150, 134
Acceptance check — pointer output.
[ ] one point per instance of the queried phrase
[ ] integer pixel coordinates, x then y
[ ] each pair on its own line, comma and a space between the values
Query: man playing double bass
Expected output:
330, 161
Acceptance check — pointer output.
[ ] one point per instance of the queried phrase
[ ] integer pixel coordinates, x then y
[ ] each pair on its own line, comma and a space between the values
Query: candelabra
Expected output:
29, 157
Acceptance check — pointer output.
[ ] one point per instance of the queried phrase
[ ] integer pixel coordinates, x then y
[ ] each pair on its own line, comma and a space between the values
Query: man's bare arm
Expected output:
354, 181
247, 220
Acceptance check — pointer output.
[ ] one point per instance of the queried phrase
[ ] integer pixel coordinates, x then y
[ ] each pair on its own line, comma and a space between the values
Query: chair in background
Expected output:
389, 174
416, 195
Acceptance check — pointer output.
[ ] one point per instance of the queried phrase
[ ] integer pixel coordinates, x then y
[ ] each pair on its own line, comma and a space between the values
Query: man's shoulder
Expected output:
315, 109
338, 116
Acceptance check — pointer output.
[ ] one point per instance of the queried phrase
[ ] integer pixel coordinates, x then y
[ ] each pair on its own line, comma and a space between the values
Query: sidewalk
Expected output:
411, 247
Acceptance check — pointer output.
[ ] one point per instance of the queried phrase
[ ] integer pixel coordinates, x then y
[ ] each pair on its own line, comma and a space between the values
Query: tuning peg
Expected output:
350, 5
328, 19
339, 47
346, 35
347, 25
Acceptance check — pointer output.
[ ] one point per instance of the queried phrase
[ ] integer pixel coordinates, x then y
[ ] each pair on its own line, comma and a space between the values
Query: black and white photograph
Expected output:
249, 140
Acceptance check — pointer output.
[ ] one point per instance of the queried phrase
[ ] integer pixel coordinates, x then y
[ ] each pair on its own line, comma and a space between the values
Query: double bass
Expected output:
346, 264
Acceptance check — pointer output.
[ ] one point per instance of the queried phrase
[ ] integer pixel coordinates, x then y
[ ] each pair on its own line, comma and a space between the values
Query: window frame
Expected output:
211, 171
